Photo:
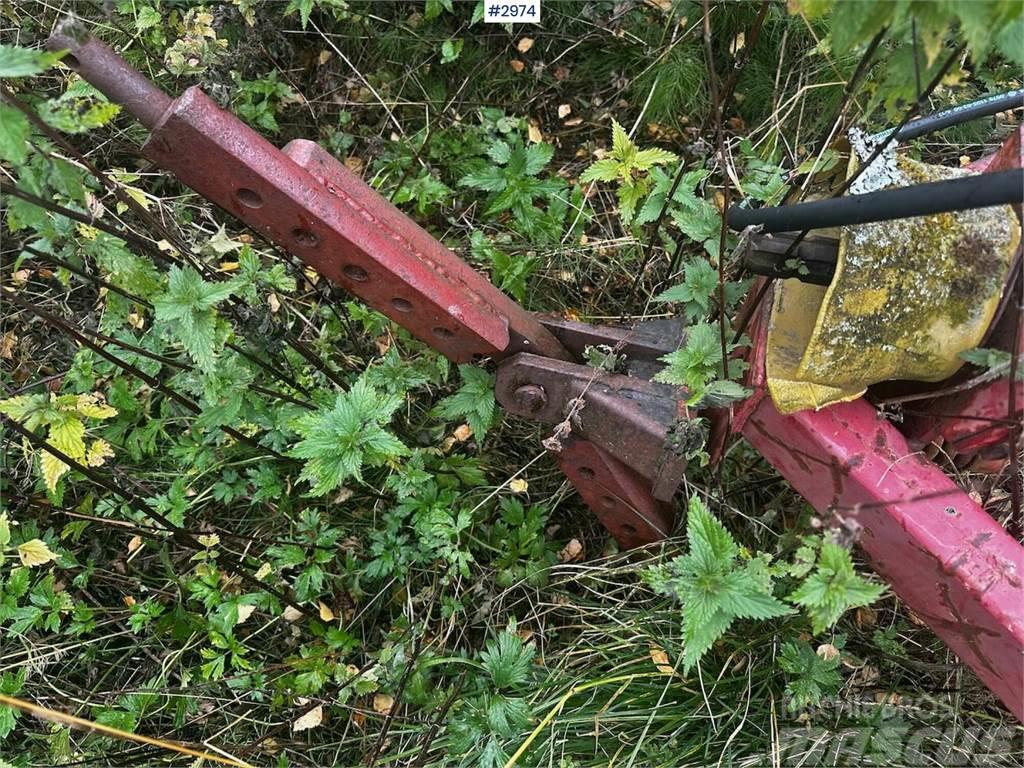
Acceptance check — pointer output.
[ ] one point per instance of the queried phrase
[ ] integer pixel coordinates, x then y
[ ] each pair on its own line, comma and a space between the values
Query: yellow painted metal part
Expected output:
907, 298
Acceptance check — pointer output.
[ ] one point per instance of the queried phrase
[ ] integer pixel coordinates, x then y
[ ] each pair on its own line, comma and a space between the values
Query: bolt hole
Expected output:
628, 529
358, 274
951, 511
607, 502
443, 333
586, 472
305, 237
70, 60
249, 198
402, 305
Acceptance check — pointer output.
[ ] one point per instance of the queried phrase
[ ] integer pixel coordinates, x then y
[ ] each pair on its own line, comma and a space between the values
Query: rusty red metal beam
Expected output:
942, 552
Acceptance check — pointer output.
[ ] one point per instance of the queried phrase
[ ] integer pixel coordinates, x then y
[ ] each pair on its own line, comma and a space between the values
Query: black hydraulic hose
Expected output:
985, 107
980, 191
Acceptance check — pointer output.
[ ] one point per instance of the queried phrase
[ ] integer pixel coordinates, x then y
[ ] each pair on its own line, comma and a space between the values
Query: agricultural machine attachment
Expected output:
620, 437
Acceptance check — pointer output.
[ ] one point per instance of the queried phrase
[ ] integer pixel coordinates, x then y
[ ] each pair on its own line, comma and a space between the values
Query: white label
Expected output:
514, 12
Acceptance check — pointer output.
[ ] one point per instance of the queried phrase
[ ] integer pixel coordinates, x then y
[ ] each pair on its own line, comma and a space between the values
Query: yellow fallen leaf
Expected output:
382, 703
533, 130
263, 571
524, 44
311, 719
564, 110
128, 600
35, 552
292, 614
324, 57
738, 43
326, 614
229, 266
134, 543
463, 433
208, 540
517, 65
274, 303
661, 660
518, 486
21, 276
244, 612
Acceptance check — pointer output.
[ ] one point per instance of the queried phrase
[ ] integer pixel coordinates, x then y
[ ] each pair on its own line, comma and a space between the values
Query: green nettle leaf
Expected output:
474, 401
186, 309
21, 62
698, 362
810, 676
696, 292
631, 167
715, 588
338, 442
14, 130
833, 588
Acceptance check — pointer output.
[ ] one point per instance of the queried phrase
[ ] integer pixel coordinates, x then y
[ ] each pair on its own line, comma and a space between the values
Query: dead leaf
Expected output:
827, 651
274, 303
311, 719
292, 614
382, 703
136, 321
573, 121
534, 132
134, 543
326, 614
737, 43
21, 277
7, 345
244, 612
519, 485
128, 600
354, 164
463, 433
561, 73
229, 266
571, 552
661, 660
517, 65
661, 5
324, 57
524, 45
866, 617
564, 110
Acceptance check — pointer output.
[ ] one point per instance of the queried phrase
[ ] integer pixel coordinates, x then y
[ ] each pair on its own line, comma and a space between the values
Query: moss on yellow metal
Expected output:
907, 298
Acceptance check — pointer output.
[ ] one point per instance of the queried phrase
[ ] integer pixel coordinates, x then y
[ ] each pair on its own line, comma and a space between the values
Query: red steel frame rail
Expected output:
940, 550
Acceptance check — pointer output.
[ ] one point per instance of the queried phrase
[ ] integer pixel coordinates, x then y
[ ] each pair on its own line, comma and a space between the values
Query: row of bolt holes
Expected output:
608, 502
307, 239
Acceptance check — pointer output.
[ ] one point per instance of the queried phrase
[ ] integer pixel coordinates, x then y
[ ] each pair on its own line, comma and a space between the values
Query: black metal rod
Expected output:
985, 107
980, 191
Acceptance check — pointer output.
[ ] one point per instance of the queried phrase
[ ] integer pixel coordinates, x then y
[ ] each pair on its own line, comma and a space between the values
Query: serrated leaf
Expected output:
21, 62
5, 531
14, 131
98, 453
35, 552
94, 408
